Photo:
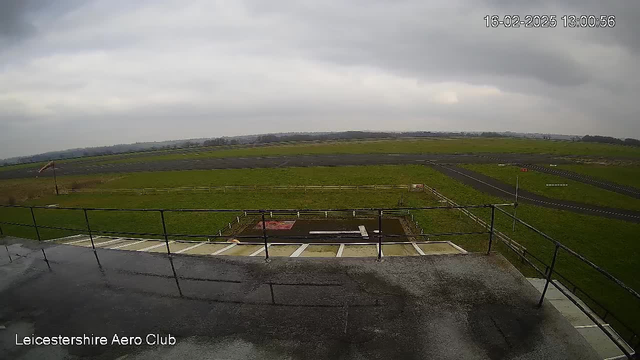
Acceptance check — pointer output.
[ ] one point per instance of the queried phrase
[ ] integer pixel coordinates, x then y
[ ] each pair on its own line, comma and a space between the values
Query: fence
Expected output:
205, 189
550, 269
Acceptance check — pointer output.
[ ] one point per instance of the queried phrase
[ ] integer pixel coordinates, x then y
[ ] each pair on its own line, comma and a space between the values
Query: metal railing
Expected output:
632, 339
266, 239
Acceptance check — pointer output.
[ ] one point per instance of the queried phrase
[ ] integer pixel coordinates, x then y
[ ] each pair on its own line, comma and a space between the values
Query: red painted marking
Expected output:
276, 225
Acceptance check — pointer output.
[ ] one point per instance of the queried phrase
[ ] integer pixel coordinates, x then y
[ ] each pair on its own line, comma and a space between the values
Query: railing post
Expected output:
164, 231
379, 235
493, 217
35, 225
549, 274
264, 235
86, 219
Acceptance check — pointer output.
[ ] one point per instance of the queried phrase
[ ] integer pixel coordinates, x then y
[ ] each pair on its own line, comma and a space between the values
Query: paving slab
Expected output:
320, 251
399, 250
438, 249
282, 250
241, 250
360, 251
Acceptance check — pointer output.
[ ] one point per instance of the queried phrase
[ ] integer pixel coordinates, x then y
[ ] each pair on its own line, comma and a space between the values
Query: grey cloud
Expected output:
100, 72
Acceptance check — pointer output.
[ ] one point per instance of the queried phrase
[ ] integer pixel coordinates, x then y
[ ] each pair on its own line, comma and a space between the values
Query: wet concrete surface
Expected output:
84, 168
496, 187
427, 307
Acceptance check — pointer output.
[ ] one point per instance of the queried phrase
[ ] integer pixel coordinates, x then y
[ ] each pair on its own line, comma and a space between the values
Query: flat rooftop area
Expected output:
423, 307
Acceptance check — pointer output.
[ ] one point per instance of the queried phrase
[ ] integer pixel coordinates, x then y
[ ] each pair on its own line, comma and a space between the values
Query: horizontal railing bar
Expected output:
252, 210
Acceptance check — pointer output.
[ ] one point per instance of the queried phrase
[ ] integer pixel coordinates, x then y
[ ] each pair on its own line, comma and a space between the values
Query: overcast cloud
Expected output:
90, 73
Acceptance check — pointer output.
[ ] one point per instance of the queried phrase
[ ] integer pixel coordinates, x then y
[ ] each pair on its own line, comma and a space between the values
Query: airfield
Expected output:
202, 208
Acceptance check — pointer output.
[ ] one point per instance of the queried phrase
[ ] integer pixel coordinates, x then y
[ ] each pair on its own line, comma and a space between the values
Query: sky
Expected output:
92, 73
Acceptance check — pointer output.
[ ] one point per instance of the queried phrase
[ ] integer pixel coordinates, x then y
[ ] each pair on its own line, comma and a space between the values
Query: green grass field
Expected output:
609, 243
442, 146
431, 145
536, 182
623, 175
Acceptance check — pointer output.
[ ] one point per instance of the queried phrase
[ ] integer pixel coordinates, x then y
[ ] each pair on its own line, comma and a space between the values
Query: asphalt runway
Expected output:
495, 187
444, 161
472, 306
282, 161
620, 189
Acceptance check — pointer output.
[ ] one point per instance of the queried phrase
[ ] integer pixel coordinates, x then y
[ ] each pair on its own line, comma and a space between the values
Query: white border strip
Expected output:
108, 242
155, 246
415, 246
224, 249
463, 251
257, 252
125, 245
77, 241
189, 248
340, 250
299, 250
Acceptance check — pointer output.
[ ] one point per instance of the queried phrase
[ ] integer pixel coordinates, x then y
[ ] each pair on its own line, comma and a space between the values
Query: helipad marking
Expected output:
259, 250
224, 249
155, 246
299, 250
125, 245
415, 246
363, 232
190, 247
340, 250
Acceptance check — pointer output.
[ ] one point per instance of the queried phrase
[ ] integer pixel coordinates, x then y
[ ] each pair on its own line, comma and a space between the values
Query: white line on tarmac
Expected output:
189, 248
155, 246
299, 250
224, 249
125, 245
340, 250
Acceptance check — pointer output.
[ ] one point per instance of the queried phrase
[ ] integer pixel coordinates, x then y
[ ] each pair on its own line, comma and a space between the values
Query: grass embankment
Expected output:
609, 243
575, 191
624, 175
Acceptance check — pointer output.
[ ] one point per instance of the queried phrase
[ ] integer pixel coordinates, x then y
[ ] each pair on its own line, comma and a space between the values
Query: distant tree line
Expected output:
611, 140
292, 137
